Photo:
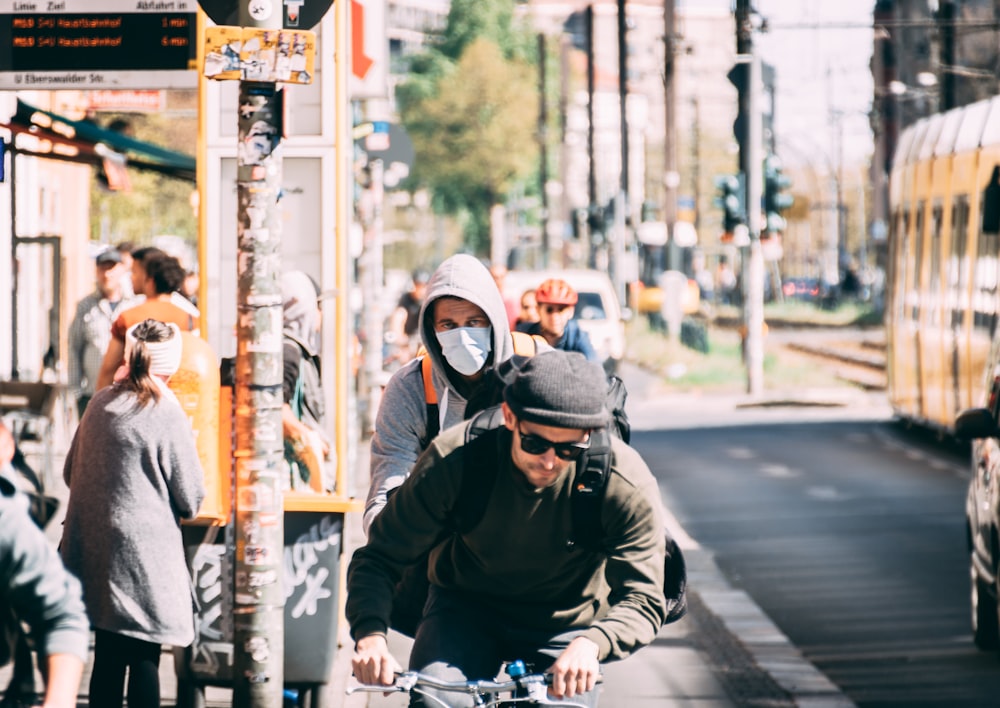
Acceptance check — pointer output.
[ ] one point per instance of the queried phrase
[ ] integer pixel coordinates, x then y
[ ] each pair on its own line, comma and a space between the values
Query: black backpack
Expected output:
593, 469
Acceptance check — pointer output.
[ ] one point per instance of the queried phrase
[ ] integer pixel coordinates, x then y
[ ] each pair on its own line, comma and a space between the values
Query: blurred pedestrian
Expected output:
499, 273
528, 312
404, 323
556, 306
133, 473
161, 278
725, 282
125, 249
140, 277
309, 454
36, 590
90, 330
41, 507
190, 287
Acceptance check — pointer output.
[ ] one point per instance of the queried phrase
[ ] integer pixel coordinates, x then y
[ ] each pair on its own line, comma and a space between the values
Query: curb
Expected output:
767, 645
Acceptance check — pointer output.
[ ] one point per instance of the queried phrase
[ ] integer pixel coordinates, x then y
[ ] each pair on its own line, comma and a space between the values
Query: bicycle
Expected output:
525, 689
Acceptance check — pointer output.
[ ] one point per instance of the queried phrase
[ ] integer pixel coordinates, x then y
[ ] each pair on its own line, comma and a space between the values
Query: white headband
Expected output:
164, 357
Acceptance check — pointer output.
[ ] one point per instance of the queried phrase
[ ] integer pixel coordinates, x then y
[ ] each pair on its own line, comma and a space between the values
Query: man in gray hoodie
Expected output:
464, 327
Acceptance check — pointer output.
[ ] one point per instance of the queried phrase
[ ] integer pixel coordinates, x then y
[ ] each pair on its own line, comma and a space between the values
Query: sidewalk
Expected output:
725, 652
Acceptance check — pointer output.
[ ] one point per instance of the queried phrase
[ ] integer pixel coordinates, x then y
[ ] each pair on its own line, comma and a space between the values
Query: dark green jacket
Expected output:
515, 561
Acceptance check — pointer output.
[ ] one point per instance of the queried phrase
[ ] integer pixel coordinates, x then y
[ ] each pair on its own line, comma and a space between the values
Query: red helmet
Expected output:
555, 292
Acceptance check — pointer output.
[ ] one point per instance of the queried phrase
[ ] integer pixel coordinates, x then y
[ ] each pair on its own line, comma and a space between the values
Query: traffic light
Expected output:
776, 197
596, 219
739, 76
731, 199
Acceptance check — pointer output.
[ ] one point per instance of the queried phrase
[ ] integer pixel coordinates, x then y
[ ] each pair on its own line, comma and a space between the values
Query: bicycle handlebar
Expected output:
488, 691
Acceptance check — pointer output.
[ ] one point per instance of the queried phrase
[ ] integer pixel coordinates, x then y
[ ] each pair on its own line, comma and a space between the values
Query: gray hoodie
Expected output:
401, 424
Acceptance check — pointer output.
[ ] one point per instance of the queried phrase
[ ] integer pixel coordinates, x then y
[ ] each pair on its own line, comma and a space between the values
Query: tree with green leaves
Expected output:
470, 108
156, 204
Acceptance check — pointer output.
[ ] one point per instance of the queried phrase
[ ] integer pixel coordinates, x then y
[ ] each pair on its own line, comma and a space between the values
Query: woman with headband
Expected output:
133, 474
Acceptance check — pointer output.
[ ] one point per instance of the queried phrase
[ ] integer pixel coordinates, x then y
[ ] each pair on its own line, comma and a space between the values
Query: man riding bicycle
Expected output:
514, 585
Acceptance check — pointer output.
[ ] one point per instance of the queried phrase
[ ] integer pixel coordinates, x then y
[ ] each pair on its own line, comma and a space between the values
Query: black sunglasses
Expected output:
537, 445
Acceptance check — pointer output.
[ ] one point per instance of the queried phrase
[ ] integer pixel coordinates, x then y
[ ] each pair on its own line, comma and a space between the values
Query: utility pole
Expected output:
617, 260
671, 179
284, 55
543, 149
750, 165
592, 174
259, 596
884, 128
372, 282
946, 29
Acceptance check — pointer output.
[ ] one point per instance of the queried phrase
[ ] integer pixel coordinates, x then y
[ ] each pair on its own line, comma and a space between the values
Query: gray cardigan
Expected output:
133, 474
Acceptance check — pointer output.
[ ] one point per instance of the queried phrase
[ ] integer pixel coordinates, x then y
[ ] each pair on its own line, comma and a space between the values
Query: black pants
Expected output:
458, 640
113, 654
22, 680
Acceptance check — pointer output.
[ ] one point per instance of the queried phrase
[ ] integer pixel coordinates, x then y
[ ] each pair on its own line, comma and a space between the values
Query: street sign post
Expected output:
265, 47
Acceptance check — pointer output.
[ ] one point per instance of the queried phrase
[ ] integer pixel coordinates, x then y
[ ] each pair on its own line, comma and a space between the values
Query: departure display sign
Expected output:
98, 44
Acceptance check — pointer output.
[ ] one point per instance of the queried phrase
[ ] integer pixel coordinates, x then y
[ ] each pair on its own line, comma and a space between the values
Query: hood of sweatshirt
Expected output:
465, 277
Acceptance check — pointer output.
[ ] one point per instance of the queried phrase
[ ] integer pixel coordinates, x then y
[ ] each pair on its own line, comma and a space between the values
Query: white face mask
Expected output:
466, 348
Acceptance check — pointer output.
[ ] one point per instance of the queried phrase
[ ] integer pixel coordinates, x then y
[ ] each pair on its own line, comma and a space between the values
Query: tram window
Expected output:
958, 267
918, 264
986, 281
994, 399
934, 281
991, 204
899, 261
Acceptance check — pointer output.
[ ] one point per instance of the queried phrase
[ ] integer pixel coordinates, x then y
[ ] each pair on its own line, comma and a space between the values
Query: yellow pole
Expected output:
342, 154
201, 175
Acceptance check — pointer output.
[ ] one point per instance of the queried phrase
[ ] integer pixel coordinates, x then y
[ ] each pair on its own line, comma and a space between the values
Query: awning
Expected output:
59, 138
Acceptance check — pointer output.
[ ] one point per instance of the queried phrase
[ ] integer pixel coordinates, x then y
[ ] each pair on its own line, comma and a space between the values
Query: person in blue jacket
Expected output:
556, 305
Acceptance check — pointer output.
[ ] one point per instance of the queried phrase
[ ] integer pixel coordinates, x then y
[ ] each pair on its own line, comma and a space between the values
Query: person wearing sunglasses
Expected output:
511, 584
556, 302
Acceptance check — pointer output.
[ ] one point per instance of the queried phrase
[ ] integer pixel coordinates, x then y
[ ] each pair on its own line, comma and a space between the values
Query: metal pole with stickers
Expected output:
263, 48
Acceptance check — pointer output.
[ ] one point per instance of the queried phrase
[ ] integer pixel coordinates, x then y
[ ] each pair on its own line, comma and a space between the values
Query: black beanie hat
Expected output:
561, 389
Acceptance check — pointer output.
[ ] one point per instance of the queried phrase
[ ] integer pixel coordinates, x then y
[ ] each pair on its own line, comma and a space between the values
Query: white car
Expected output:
598, 310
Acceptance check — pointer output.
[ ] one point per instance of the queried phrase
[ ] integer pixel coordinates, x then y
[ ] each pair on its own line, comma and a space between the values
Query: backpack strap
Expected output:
298, 394
479, 470
431, 401
587, 496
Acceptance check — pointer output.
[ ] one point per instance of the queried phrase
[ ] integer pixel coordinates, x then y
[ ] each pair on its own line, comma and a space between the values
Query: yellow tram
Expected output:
944, 200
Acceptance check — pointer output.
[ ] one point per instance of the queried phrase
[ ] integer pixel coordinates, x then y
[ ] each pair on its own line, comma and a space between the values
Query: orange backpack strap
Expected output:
426, 369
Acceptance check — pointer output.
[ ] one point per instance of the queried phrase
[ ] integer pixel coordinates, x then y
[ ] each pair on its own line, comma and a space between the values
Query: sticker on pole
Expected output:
249, 53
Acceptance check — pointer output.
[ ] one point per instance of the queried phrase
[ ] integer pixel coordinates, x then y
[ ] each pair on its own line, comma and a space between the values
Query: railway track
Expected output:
856, 357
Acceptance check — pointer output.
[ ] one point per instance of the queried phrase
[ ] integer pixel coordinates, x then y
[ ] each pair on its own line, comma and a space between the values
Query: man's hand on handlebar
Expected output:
577, 669
372, 662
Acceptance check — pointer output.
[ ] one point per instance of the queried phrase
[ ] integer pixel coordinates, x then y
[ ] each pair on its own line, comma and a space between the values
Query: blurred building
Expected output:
932, 56
703, 44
